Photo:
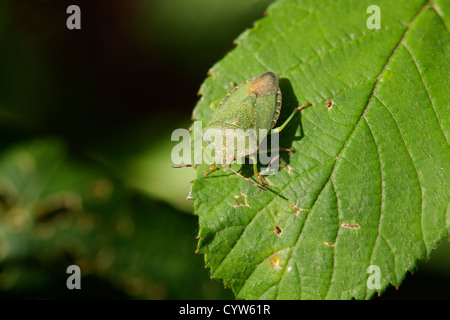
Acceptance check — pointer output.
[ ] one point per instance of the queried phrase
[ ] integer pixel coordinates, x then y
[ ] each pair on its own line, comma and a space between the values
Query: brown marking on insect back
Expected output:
264, 84
329, 103
241, 201
235, 42
278, 230
350, 225
329, 244
237, 87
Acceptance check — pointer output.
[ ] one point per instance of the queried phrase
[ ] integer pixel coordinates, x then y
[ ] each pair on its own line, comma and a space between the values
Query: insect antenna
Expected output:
214, 167
247, 179
193, 165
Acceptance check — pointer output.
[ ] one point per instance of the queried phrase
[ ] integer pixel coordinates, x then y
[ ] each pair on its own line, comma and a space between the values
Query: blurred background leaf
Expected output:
57, 211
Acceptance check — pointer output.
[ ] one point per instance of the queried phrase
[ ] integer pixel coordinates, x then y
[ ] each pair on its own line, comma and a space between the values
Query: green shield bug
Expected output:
246, 115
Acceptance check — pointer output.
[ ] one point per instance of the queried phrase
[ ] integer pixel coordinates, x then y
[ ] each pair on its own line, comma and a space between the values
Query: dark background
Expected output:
91, 111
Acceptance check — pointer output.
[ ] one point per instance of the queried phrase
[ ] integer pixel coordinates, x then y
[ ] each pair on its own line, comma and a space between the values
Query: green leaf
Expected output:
369, 181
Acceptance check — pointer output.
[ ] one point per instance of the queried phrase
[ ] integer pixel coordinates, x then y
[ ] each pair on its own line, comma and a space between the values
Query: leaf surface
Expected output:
369, 181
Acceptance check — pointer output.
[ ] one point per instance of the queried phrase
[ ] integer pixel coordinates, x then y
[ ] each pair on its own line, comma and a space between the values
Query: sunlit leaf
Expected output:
369, 181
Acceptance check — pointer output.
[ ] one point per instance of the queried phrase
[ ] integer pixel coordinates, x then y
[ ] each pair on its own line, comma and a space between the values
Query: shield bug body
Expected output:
243, 119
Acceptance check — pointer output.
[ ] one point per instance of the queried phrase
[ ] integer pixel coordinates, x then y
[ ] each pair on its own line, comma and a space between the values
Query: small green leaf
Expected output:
369, 181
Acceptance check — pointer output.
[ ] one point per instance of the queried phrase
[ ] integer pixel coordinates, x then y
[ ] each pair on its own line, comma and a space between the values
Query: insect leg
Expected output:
193, 165
278, 129
214, 167
279, 149
247, 179
255, 169
287, 150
